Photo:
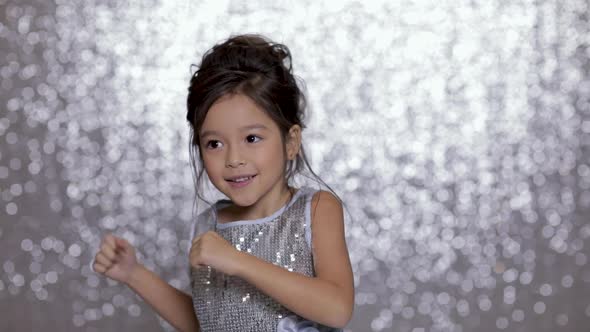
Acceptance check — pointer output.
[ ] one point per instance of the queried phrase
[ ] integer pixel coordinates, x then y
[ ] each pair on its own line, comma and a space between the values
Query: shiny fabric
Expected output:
226, 303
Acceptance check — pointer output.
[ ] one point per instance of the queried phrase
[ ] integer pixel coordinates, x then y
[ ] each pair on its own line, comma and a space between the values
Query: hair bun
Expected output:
249, 53
282, 53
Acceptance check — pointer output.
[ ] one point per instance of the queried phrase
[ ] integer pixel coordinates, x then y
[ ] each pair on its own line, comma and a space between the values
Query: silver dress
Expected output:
228, 303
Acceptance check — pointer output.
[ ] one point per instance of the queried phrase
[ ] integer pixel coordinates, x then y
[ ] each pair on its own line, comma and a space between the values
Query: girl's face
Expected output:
244, 154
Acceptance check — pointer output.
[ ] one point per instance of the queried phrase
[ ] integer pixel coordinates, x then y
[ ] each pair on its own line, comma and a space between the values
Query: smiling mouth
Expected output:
241, 179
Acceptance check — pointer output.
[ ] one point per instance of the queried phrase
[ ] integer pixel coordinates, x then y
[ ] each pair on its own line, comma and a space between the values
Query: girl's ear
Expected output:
293, 141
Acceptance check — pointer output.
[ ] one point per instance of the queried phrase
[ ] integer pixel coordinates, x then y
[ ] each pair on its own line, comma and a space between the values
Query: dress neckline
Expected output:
224, 203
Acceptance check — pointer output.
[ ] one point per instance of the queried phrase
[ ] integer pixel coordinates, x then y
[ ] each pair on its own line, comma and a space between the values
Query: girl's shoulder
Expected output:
322, 196
204, 222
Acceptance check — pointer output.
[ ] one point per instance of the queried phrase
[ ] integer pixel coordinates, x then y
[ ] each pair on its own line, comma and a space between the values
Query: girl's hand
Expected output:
213, 250
116, 258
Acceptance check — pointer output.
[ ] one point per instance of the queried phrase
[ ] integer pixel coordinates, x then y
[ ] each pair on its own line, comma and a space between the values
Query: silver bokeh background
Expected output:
457, 133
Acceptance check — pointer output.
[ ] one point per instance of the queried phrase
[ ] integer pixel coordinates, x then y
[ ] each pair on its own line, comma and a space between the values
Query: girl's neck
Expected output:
257, 211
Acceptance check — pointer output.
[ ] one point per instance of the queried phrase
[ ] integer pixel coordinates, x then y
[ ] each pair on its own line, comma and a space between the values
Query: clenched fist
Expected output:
116, 258
210, 249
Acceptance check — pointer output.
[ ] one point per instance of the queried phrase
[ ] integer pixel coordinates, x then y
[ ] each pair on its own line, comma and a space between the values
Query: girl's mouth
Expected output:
241, 181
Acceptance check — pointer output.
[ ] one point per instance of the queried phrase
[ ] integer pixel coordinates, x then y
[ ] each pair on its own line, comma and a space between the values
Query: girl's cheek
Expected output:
213, 166
207, 165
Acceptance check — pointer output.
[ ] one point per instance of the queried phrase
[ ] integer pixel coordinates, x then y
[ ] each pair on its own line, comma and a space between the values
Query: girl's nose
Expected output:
235, 163
233, 159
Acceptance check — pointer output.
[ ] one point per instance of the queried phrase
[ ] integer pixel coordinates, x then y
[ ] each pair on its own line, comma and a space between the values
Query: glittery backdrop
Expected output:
457, 132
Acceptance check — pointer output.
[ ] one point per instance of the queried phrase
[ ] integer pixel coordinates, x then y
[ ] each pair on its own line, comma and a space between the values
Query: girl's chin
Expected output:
241, 199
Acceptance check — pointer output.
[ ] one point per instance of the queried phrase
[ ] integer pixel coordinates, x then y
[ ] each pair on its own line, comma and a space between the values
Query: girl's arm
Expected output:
327, 298
116, 260
173, 305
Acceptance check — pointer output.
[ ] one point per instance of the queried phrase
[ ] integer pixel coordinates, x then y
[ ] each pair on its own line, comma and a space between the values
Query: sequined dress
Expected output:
228, 303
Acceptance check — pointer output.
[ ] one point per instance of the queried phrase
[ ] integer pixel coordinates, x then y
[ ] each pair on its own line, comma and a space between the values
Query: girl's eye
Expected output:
252, 138
213, 144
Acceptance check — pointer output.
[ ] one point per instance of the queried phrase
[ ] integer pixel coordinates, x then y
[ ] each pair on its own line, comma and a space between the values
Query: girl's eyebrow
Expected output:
248, 127
254, 126
208, 133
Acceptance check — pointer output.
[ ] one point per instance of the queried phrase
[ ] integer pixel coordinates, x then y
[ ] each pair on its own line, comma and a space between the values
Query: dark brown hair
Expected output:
259, 69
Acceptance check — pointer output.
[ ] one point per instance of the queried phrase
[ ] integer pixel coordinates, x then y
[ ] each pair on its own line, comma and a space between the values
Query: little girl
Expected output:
271, 257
